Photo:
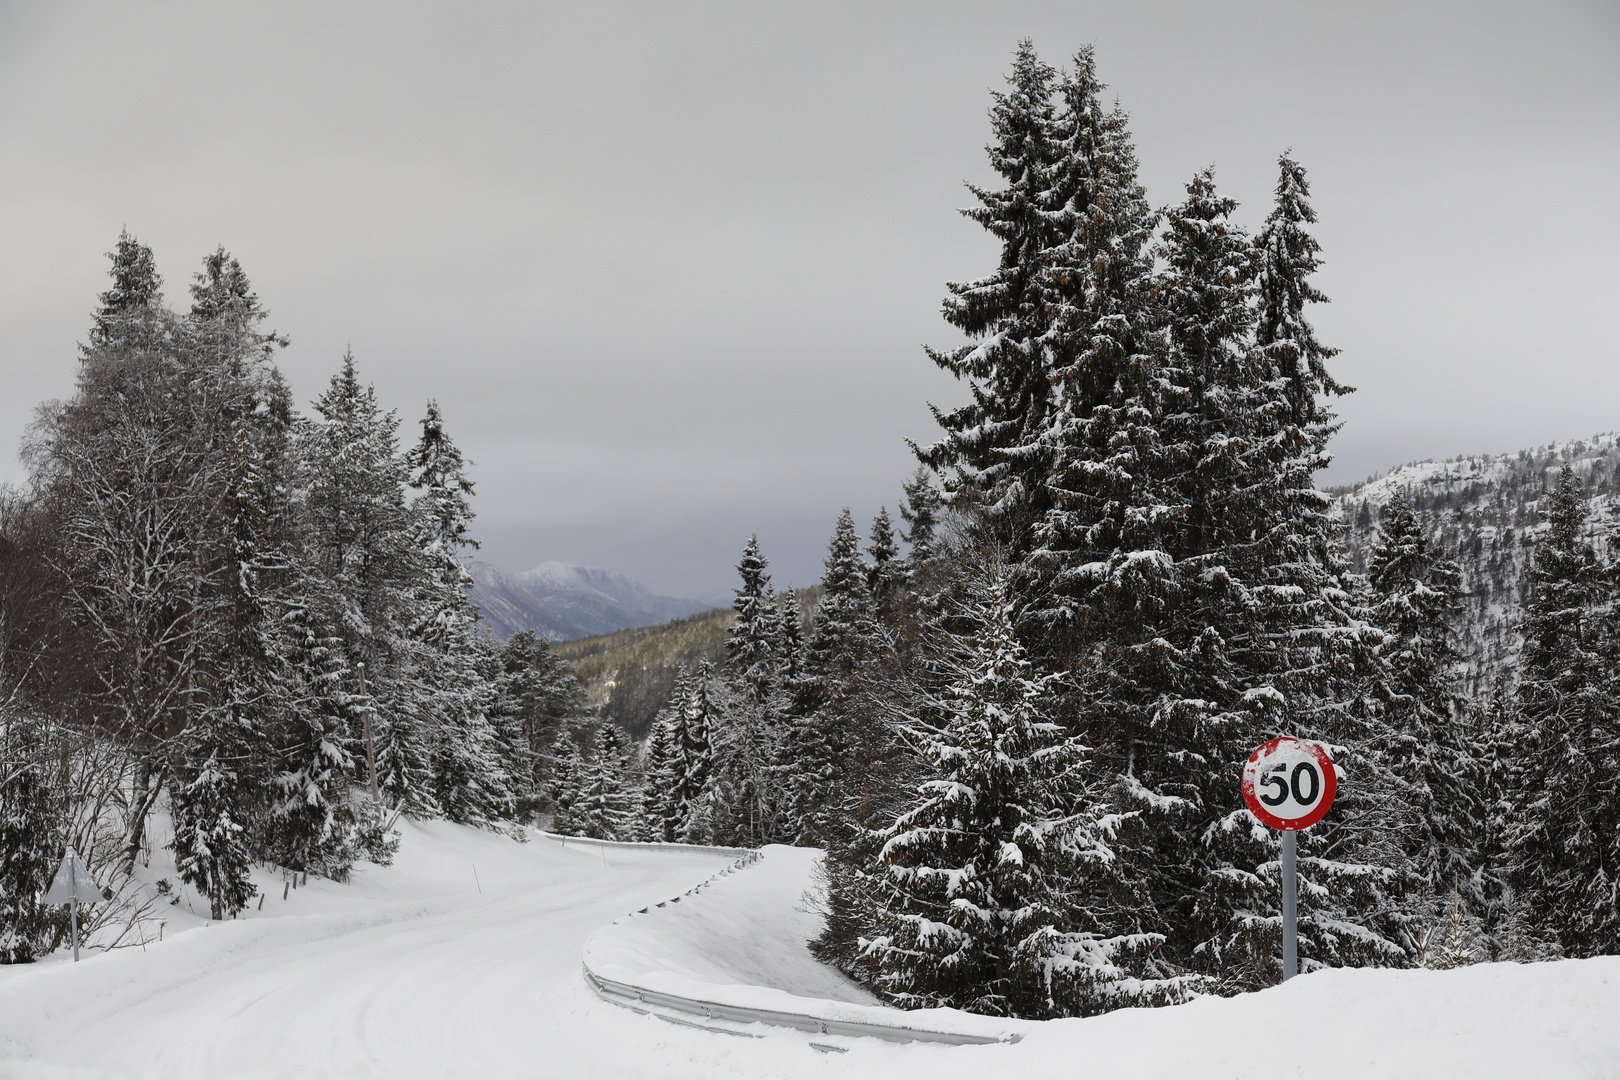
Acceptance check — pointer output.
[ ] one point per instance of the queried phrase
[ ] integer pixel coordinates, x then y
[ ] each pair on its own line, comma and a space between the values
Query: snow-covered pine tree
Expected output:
1288, 256
603, 809
359, 531
695, 723
1563, 832
1305, 654
1415, 592
210, 845
657, 817
920, 511
812, 761
30, 841
313, 823
470, 781
1106, 519
137, 287
567, 769
246, 697
993, 885
886, 575
993, 444
745, 804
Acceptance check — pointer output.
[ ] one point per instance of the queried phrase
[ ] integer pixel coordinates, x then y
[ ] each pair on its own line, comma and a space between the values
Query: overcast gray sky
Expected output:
669, 268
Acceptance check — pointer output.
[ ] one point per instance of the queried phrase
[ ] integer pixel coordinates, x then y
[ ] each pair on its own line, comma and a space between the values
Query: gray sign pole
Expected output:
1290, 913
73, 887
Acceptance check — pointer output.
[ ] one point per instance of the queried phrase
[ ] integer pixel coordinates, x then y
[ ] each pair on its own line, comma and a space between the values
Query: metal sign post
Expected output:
1290, 913
1289, 785
73, 885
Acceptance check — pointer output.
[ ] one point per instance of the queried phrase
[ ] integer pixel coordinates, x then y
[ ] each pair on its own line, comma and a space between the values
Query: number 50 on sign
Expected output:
1289, 784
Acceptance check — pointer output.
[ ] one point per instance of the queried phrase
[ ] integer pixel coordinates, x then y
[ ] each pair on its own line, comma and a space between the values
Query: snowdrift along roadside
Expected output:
739, 939
463, 960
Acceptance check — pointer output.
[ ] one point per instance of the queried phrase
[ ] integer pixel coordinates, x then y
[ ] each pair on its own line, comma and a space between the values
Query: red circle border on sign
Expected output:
1330, 784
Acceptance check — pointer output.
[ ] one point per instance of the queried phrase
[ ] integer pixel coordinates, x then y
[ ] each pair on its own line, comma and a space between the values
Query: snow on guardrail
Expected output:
734, 949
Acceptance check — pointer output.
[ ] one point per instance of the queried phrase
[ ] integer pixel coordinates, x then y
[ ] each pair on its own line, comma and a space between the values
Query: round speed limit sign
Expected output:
1289, 784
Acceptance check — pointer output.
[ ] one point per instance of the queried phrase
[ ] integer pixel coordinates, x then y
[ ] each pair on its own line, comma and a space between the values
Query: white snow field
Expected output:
430, 968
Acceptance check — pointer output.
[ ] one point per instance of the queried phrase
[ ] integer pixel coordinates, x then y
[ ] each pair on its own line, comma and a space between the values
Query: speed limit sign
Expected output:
1289, 784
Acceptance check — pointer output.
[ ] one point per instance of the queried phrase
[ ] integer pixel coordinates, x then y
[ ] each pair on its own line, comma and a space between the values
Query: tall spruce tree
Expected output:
993, 885
745, 804
814, 757
993, 444
470, 781
1415, 598
695, 722
1563, 835
359, 529
603, 809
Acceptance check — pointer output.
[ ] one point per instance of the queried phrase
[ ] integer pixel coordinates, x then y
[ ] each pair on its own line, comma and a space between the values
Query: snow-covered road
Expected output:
463, 960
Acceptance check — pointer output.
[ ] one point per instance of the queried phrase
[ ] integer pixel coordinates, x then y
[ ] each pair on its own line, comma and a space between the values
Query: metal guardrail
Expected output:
631, 995
650, 845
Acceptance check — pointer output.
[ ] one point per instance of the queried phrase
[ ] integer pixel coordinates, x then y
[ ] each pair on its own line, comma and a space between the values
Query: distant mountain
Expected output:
562, 602
630, 673
1488, 509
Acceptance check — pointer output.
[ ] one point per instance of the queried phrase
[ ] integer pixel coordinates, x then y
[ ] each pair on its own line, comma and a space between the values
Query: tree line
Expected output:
1016, 720
1020, 743
254, 619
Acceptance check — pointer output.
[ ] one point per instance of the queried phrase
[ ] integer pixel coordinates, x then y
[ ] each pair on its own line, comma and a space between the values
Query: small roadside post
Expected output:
73, 885
1289, 785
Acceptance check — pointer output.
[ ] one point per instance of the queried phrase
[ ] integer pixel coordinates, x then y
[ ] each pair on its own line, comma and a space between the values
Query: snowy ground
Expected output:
432, 968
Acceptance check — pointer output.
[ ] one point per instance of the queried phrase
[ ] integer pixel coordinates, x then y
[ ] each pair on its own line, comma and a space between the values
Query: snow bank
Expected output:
463, 960
740, 940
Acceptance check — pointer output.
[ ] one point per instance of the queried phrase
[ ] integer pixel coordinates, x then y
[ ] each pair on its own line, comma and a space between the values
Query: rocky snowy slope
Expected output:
464, 959
563, 602
1487, 508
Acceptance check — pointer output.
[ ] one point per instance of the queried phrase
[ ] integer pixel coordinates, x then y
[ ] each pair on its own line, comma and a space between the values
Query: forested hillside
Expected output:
1490, 512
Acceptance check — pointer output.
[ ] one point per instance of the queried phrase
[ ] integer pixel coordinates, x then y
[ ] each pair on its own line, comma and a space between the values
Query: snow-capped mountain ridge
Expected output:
562, 602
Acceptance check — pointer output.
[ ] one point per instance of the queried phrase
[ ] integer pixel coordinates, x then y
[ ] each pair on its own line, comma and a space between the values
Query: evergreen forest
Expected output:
1014, 715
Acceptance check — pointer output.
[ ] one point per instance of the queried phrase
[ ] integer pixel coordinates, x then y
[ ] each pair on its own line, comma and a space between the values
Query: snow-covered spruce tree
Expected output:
657, 817
1106, 520
1563, 830
886, 575
568, 771
694, 767
30, 841
993, 885
314, 825
469, 778
1288, 256
813, 761
993, 445
210, 844
1306, 656
603, 809
745, 804
359, 531
920, 511
1415, 591
239, 692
